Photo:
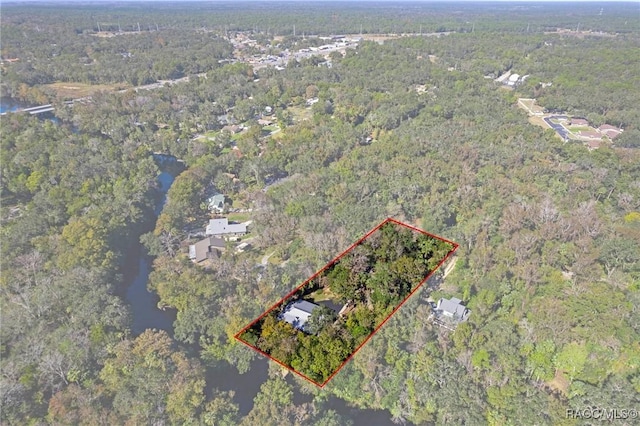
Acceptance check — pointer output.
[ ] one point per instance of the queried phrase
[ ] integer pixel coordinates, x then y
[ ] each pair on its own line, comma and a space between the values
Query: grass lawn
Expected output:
239, 217
581, 129
530, 105
321, 295
274, 259
527, 103
300, 113
538, 121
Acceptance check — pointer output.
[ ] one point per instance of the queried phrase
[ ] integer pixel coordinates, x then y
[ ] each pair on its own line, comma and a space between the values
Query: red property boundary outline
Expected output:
278, 303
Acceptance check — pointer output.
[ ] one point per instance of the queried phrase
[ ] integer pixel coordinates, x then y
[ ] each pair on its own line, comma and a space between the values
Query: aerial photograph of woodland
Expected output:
329, 317
170, 171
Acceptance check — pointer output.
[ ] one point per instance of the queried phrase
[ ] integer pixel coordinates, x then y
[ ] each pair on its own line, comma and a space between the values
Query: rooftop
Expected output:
201, 250
216, 202
223, 227
297, 313
453, 308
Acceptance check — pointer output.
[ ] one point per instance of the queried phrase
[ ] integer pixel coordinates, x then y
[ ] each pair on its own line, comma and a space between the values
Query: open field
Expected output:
538, 121
300, 113
530, 106
575, 129
81, 90
239, 217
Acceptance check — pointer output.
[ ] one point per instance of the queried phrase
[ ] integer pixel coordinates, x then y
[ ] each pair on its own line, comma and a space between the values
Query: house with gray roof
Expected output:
206, 249
222, 228
297, 313
452, 310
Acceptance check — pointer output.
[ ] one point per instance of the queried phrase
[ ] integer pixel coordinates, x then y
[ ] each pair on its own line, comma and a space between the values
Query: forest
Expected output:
412, 127
371, 279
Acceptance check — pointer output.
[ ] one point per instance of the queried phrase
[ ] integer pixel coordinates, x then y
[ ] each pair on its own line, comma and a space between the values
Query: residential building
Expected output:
594, 144
215, 203
579, 122
206, 249
452, 310
513, 79
610, 131
222, 228
233, 128
590, 134
297, 313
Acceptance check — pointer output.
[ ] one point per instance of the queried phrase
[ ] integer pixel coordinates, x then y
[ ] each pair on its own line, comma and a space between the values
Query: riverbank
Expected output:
10, 104
144, 304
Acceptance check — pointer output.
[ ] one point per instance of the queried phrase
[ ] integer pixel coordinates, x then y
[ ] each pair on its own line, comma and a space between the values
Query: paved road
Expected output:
559, 128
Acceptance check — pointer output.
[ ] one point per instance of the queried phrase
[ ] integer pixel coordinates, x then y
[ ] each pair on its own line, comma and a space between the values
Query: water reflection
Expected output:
225, 377
145, 304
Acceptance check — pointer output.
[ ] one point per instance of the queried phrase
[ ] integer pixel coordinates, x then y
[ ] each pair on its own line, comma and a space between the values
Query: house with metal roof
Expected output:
222, 228
215, 203
297, 313
452, 310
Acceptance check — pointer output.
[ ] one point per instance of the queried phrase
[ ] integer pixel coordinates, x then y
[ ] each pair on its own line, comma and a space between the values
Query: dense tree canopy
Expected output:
410, 128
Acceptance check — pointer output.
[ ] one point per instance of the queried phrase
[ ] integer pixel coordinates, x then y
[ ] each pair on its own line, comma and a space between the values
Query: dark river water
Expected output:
224, 377
144, 304
8, 104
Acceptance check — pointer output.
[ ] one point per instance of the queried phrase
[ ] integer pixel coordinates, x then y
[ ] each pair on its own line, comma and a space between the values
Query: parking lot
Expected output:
559, 128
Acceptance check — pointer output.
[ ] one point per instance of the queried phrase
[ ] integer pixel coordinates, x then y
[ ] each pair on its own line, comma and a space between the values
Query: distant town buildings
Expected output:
609, 131
511, 79
569, 128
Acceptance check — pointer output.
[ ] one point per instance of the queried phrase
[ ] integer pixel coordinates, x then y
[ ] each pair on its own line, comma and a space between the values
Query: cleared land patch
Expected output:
82, 90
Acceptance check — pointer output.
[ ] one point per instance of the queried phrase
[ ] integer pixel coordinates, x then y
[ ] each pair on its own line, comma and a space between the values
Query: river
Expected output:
225, 377
144, 304
10, 104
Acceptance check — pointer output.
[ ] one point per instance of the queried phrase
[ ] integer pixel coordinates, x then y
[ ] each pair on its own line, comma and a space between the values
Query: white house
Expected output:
297, 313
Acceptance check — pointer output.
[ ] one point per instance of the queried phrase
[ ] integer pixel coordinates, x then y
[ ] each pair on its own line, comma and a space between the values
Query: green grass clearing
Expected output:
239, 217
322, 295
300, 113
581, 129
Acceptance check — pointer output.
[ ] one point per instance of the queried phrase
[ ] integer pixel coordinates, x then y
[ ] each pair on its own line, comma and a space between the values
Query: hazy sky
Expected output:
304, 1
